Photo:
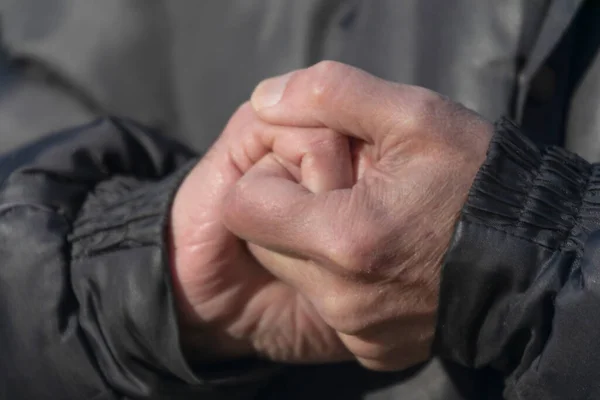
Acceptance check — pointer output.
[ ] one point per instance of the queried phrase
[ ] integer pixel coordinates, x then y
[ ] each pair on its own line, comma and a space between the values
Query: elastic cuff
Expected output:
525, 207
545, 196
123, 225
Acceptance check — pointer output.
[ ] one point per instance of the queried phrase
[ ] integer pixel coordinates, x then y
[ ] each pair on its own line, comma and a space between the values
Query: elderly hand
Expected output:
366, 255
229, 306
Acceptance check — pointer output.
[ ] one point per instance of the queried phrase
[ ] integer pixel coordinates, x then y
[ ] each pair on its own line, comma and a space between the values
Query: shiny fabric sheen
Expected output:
520, 278
86, 305
183, 68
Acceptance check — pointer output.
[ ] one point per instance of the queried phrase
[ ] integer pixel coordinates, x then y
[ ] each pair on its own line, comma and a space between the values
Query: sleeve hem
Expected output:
518, 240
125, 214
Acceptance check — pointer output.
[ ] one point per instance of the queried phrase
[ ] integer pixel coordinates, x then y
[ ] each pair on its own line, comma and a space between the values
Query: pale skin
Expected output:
230, 306
344, 190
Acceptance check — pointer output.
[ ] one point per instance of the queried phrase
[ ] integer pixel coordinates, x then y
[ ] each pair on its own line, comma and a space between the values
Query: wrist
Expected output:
200, 341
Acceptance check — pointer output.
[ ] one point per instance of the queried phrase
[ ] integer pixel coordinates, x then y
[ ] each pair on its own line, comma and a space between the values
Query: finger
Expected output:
394, 345
268, 207
383, 347
319, 158
322, 156
303, 275
336, 96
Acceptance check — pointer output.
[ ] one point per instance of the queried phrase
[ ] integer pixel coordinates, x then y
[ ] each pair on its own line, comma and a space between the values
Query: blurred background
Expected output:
183, 67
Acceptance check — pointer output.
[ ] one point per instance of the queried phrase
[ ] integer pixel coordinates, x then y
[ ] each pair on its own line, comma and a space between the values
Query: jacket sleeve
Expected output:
521, 281
86, 309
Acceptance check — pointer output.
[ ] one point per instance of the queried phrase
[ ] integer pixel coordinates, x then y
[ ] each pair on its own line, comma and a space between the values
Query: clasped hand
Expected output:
315, 228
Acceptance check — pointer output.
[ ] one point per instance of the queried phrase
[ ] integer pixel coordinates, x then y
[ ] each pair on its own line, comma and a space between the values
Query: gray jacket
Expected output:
185, 66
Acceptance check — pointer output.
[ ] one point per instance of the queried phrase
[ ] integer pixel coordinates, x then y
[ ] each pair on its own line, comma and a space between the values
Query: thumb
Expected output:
333, 95
269, 208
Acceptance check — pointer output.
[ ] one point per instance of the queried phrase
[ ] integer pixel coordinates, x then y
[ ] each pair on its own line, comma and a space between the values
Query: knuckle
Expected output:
330, 68
428, 103
355, 253
326, 142
342, 313
323, 80
327, 135
423, 108
341, 253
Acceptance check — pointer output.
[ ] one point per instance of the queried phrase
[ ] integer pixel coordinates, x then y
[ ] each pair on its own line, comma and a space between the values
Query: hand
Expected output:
367, 257
229, 306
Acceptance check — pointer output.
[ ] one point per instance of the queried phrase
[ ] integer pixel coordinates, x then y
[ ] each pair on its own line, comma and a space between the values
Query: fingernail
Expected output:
269, 92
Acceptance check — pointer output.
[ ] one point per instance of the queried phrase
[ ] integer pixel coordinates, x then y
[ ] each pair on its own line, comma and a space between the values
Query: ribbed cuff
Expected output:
132, 326
525, 208
545, 196
127, 306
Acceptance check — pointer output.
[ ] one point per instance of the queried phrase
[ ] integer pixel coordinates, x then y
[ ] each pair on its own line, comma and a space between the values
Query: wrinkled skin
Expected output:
367, 256
229, 306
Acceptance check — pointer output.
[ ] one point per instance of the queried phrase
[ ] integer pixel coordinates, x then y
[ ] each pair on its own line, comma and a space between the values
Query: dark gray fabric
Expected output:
519, 285
184, 66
